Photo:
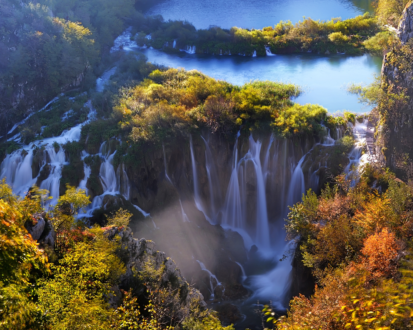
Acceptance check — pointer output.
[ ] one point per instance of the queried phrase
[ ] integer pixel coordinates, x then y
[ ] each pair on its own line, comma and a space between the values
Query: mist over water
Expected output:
256, 14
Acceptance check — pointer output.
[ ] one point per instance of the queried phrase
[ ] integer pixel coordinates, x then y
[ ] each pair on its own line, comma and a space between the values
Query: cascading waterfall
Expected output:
17, 170
268, 51
184, 215
213, 281
107, 175
357, 159
189, 50
266, 171
236, 199
52, 183
244, 275
197, 196
213, 181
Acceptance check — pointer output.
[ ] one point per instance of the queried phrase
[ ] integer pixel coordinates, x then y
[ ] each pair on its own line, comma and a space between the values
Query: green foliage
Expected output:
307, 35
350, 117
338, 38
369, 95
75, 296
209, 322
180, 101
390, 11
300, 119
74, 290
380, 43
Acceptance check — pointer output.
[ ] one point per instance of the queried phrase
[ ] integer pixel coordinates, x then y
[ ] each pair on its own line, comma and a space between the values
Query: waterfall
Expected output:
268, 51
213, 182
197, 196
189, 50
122, 182
25, 119
184, 216
52, 183
211, 278
17, 170
82, 184
107, 175
274, 285
124, 42
145, 214
101, 81
174, 44
357, 159
328, 140
235, 201
254, 54
244, 275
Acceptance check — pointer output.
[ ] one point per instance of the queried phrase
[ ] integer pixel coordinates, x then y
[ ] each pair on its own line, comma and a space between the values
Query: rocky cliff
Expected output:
395, 132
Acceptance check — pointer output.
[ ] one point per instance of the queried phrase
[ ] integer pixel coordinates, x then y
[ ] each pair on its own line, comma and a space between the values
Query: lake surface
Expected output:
324, 79
256, 14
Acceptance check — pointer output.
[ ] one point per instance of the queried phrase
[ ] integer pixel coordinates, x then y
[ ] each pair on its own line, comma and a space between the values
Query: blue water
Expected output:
324, 79
256, 14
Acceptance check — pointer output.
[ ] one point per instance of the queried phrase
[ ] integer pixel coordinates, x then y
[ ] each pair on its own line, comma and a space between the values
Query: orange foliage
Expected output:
335, 241
333, 208
380, 254
317, 312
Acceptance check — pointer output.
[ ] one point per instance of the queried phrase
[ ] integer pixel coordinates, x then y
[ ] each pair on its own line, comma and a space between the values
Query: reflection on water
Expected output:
324, 79
256, 13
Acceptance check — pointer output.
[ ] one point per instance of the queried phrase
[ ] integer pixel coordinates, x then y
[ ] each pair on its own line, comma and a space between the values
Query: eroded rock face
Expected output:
42, 231
138, 251
37, 229
395, 132
405, 29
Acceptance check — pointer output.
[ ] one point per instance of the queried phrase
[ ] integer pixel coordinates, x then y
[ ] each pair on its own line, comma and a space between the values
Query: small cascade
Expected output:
25, 119
254, 54
102, 81
83, 183
233, 211
122, 182
213, 281
197, 195
184, 215
107, 175
268, 51
174, 44
52, 183
244, 275
274, 285
357, 159
339, 133
213, 182
328, 140
297, 185
166, 168
189, 50
145, 214
124, 42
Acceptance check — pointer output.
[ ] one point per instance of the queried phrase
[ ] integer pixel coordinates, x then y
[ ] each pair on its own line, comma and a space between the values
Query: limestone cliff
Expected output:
139, 251
395, 132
